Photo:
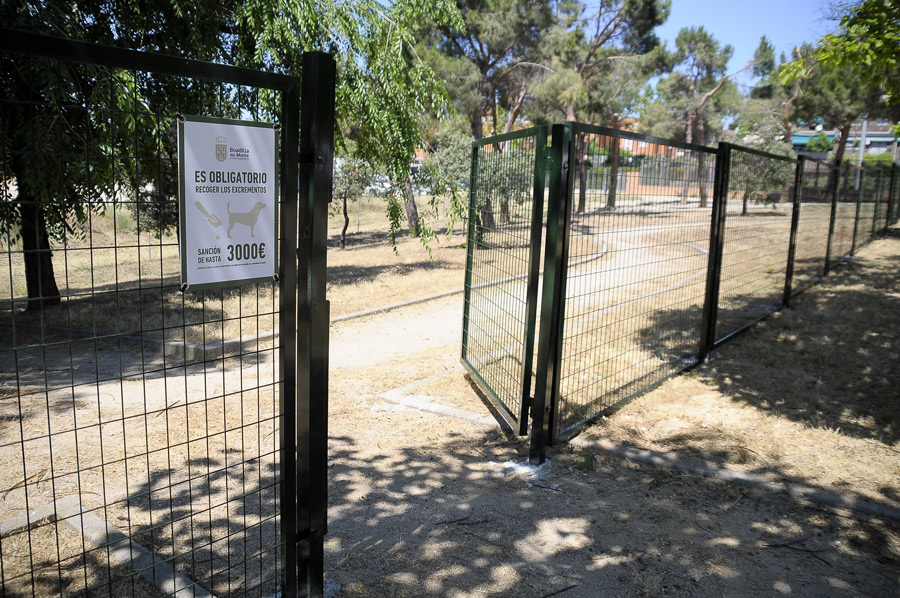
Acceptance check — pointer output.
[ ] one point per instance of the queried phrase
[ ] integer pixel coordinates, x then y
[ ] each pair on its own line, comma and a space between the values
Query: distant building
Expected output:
879, 137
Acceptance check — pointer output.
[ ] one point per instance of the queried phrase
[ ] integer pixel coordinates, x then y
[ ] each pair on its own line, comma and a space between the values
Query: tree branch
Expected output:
715, 89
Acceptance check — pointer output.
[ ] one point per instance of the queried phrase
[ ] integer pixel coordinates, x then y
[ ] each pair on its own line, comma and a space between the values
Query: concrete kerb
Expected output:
836, 500
122, 549
426, 403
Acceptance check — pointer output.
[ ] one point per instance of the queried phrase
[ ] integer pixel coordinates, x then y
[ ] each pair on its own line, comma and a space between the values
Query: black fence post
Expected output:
534, 259
716, 246
316, 179
859, 193
878, 181
892, 197
553, 294
470, 245
833, 218
792, 239
287, 324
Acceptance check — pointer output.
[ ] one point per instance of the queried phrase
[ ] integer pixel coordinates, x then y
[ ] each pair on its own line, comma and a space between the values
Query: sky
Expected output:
741, 23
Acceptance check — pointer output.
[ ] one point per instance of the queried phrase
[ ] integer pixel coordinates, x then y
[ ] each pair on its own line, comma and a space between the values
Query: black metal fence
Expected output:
153, 441
655, 253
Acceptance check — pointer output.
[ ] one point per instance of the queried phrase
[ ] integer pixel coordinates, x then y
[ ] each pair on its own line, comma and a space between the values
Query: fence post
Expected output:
892, 197
831, 222
792, 239
716, 246
316, 179
470, 245
287, 324
534, 258
874, 232
553, 293
861, 179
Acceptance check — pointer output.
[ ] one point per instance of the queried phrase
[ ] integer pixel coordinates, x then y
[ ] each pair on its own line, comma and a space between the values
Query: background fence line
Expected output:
698, 244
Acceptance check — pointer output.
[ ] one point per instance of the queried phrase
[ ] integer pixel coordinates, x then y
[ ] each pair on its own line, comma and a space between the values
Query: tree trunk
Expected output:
346, 224
744, 206
39, 278
838, 156
409, 203
613, 173
494, 115
515, 108
702, 178
689, 137
701, 164
476, 122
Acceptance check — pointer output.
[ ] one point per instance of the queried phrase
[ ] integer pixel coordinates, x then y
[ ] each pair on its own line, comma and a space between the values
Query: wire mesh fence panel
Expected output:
894, 184
504, 215
868, 185
882, 199
638, 246
141, 453
812, 225
756, 238
845, 215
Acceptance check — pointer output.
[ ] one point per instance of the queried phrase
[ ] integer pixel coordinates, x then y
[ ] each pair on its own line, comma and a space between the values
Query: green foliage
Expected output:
691, 101
820, 143
764, 59
885, 159
351, 177
762, 179
596, 63
383, 86
447, 169
868, 44
486, 58
865, 51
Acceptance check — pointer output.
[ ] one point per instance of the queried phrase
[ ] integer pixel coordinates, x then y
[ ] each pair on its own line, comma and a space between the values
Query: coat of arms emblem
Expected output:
221, 148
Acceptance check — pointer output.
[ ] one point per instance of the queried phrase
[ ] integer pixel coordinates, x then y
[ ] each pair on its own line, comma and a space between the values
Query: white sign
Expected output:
227, 199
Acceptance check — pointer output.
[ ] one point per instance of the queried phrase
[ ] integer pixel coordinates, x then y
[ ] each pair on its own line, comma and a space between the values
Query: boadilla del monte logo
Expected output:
221, 148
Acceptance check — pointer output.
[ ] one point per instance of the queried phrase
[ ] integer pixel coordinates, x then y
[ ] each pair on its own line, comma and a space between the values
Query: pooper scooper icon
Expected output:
211, 218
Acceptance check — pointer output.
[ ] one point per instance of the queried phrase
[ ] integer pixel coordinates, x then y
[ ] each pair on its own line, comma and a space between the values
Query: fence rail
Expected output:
655, 253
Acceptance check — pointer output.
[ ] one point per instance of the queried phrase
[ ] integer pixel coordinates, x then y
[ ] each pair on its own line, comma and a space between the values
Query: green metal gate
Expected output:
655, 253
504, 234
155, 441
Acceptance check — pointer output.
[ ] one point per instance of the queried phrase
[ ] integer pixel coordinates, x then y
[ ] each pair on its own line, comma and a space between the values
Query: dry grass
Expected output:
118, 282
808, 395
185, 463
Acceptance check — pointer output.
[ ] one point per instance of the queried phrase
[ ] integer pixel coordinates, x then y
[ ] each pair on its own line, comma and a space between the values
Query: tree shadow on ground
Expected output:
352, 274
824, 370
827, 363
434, 519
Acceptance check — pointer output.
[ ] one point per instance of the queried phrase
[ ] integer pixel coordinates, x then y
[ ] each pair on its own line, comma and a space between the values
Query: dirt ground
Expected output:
421, 505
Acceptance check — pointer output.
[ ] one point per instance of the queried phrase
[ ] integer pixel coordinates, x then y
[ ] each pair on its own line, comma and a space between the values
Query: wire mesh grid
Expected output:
638, 246
882, 201
880, 197
894, 183
500, 250
756, 238
845, 219
139, 457
868, 184
812, 225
